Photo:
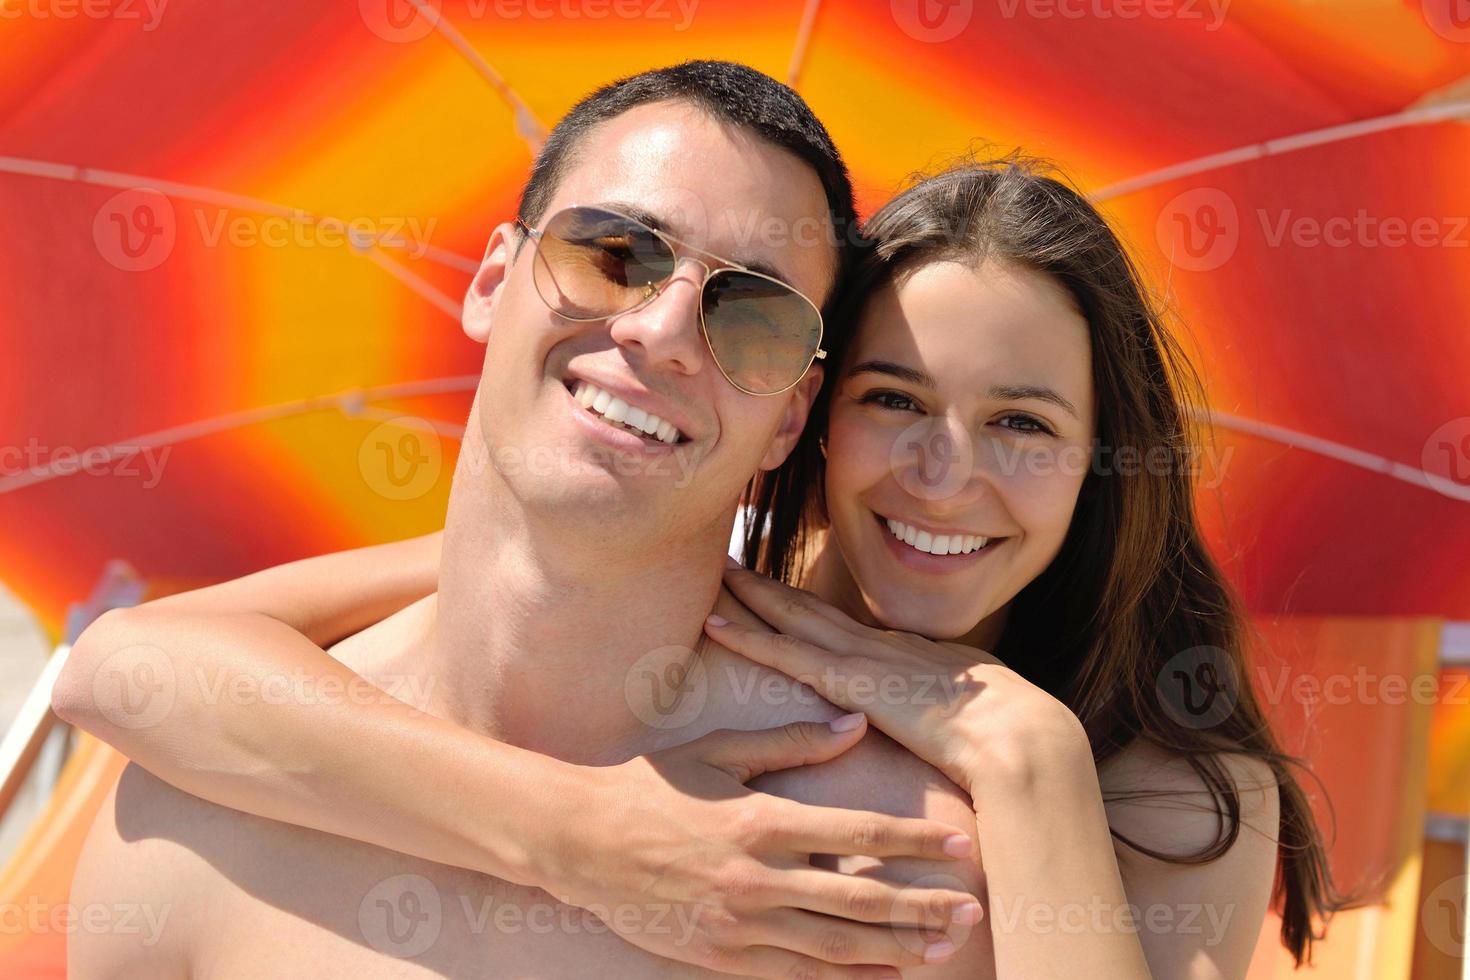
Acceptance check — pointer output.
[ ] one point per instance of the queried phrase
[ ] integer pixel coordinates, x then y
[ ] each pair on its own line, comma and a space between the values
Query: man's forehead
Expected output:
713, 186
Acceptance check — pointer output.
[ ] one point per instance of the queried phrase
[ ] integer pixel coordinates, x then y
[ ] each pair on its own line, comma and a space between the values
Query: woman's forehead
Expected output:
957, 322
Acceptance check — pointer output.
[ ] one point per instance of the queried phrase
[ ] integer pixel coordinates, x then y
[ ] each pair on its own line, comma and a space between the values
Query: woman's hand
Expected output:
954, 706
678, 857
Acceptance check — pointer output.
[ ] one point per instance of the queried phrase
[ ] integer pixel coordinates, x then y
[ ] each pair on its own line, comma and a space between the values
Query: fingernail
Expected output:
957, 845
732, 563
968, 914
847, 722
939, 951
716, 620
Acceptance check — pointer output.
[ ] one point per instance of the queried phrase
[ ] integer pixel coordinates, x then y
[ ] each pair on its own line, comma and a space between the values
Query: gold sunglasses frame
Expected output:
536, 234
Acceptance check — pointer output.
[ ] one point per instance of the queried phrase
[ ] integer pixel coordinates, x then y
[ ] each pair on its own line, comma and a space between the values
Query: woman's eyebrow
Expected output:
1038, 392
913, 376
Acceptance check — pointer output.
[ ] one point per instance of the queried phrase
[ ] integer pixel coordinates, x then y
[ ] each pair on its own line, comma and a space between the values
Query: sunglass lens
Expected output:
595, 263
763, 333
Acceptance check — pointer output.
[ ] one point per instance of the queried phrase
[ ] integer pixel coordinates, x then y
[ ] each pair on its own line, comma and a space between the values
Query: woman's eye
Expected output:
1026, 423
890, 399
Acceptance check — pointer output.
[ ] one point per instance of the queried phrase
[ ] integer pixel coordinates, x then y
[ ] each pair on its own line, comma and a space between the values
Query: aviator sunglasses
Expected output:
593, 263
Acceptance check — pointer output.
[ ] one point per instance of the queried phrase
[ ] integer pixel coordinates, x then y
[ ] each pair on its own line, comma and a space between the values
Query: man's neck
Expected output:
541, 634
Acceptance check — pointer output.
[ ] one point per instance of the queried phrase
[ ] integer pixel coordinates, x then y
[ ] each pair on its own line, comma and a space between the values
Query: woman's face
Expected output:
962, 423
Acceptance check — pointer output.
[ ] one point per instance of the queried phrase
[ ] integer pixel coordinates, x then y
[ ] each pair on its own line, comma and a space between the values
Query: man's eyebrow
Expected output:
653, 221
641, 214
924, 379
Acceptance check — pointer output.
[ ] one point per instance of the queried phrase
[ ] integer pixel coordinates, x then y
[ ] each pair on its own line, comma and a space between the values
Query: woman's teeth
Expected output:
620, 414
936, 544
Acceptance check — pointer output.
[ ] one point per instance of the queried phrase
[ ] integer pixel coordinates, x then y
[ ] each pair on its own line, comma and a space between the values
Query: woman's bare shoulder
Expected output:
1157, 798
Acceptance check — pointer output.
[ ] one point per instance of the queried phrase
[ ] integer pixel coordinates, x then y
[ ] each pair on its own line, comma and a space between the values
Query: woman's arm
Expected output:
330, 751
1060, 895
327, 598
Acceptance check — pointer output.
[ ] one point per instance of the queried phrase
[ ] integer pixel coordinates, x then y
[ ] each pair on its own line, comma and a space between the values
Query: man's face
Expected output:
720, 189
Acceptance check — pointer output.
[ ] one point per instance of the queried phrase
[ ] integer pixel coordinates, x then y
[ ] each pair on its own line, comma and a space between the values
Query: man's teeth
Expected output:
936, 544
618, 412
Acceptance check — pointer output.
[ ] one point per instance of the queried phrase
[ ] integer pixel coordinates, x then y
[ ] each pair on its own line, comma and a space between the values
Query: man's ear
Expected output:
794, 420
479, 300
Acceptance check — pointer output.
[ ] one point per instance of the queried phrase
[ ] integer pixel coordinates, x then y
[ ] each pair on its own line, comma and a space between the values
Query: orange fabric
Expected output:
1449, 745
320, 105
1439, 949
36, 883
1366, 735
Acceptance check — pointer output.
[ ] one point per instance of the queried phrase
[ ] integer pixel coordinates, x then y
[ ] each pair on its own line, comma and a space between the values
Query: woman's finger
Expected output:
745, 755
804, 829
792, 655
794, 611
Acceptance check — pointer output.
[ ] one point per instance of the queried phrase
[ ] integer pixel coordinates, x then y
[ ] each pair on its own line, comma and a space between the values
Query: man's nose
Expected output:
665, 331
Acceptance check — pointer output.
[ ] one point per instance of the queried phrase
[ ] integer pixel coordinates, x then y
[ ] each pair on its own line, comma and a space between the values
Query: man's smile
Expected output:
622, 414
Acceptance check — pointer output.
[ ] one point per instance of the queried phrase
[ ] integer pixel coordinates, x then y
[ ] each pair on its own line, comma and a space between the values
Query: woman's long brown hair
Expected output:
1133, 587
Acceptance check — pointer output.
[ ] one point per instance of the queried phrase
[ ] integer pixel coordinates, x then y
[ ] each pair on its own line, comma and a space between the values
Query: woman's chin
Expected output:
922, 615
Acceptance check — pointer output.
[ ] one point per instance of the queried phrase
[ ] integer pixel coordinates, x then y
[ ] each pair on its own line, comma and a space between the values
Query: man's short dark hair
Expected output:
730, 93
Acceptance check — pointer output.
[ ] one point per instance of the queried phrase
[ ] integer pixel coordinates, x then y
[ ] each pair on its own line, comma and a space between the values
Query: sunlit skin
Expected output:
697, 179
998, 361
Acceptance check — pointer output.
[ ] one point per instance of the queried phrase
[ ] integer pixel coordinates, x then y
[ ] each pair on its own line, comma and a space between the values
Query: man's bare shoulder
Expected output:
218, 880
880, 775
135, 858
